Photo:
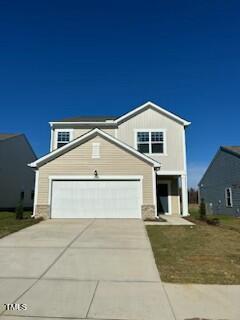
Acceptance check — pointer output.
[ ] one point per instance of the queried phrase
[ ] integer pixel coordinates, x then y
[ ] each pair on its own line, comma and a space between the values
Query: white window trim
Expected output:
150, 142
62, 130
231, 200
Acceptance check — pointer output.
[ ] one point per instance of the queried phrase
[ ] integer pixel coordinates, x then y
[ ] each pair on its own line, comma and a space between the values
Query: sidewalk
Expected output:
170, 220
197, 301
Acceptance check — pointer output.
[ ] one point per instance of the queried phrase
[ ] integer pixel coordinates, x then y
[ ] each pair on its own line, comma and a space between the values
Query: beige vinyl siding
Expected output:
80, 131
113, 161
151, 119
77, 132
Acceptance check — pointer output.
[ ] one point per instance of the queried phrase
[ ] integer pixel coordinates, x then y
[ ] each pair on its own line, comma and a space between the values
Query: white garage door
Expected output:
96, 199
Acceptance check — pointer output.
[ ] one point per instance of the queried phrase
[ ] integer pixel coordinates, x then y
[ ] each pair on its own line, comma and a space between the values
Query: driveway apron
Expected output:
83, 269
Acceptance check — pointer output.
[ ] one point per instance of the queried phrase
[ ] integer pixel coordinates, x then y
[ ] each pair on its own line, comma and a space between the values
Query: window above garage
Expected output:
63, 137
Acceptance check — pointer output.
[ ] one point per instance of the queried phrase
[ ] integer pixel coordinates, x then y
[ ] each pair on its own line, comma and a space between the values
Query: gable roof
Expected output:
122, 118
5, 136
234, 150
85, 137
154, 106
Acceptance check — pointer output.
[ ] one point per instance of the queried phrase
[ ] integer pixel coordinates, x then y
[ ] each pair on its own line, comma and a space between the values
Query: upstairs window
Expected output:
63, 137
151, 142
157, 142
143, 142
228, 197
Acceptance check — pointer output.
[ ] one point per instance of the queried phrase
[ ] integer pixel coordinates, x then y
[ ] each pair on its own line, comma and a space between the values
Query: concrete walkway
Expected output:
83, 269
196, 301
170, 220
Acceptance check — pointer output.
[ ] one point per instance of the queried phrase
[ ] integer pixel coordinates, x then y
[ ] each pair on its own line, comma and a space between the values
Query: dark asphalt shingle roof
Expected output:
5, 136
87, 119
232, 149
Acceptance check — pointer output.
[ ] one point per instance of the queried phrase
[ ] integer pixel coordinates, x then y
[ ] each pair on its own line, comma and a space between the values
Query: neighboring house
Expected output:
220, 185
131, 166
16, 178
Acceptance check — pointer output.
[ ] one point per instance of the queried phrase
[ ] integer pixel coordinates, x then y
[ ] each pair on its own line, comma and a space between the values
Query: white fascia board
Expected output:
100, 177
157, 108
170, 173
86, 136
108, 122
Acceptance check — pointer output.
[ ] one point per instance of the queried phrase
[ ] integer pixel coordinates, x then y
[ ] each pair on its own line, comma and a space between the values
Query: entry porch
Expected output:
171, 195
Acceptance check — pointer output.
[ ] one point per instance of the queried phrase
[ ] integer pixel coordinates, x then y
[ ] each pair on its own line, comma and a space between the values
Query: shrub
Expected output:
213, 221
19, 210
202, 210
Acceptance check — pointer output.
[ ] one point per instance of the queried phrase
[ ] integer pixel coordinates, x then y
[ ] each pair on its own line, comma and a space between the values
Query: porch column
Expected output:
184, 195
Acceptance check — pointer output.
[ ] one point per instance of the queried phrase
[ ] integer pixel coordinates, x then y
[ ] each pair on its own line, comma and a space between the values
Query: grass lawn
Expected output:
198, 254
9, 224
228, 222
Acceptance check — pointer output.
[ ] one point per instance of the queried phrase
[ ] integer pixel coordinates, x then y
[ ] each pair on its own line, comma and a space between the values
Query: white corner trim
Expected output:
154, 188
157, 108
51, 138
86, 136
35, 192
184, 195
184, 150
50, 193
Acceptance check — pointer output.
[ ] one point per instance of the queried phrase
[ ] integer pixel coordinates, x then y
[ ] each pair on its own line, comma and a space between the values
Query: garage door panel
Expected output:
96, 199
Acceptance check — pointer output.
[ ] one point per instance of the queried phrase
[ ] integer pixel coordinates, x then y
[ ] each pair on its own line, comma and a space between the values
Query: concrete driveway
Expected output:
84, 269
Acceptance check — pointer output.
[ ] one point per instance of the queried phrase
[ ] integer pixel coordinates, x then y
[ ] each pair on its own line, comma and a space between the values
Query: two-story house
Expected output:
131, 166
219, 187
16, 178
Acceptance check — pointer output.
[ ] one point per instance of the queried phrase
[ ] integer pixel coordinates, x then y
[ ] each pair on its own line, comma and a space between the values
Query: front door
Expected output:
163, 198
